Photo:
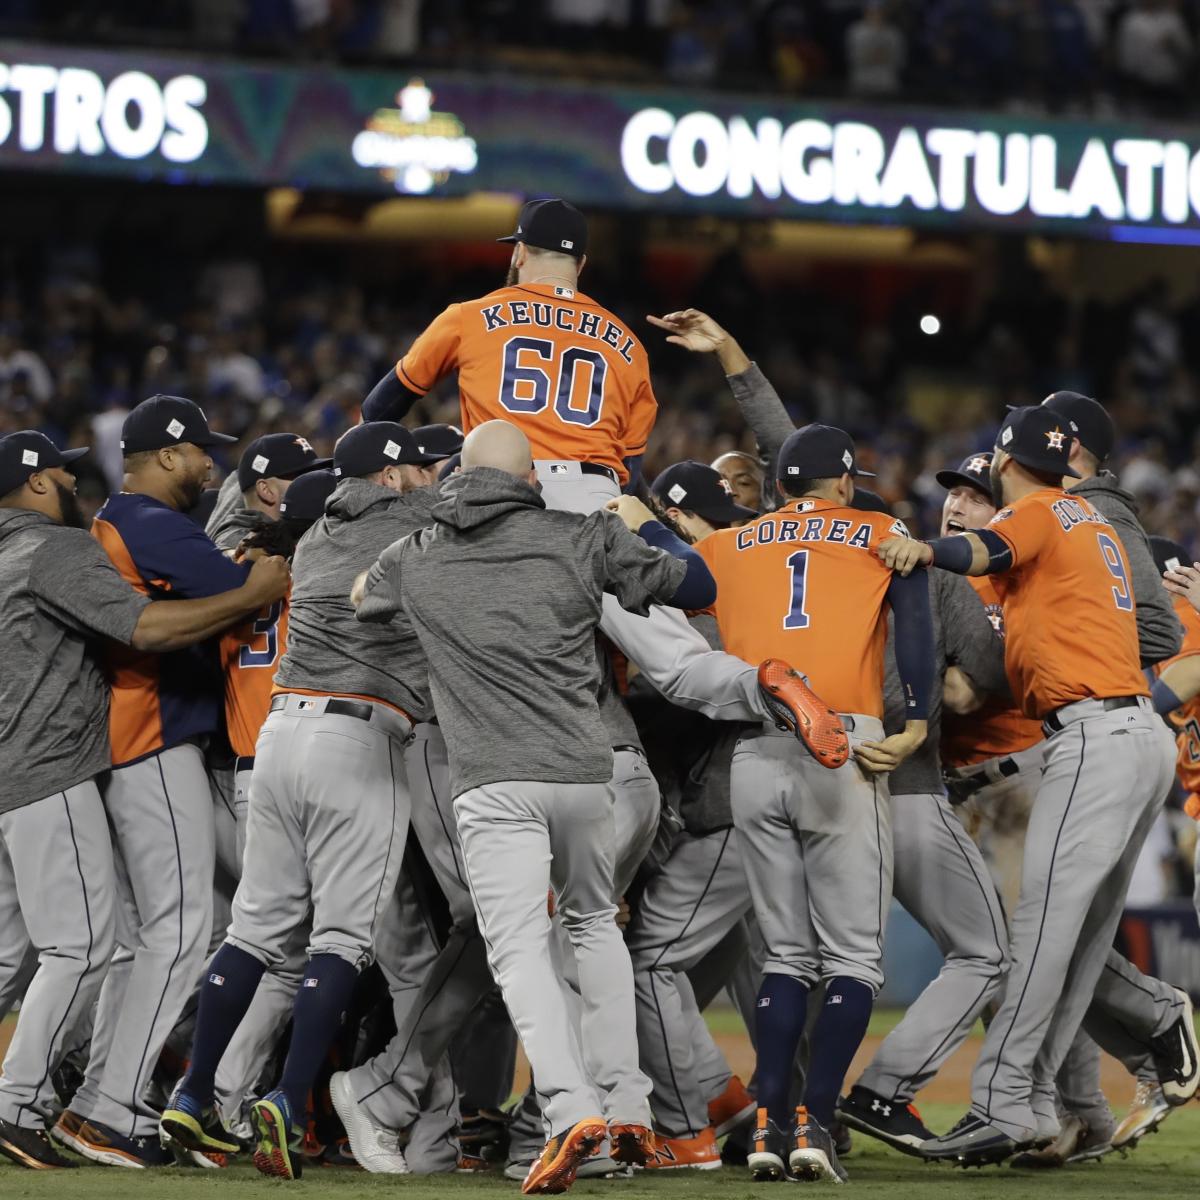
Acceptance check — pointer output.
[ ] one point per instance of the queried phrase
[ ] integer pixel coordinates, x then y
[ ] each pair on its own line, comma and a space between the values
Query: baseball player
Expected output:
804, 581
498, 671
745, 476
1097, 795
328, 806
157, 798
540, 354
60, 593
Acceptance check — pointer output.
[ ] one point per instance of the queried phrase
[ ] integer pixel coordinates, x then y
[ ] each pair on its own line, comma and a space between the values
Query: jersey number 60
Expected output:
525, 387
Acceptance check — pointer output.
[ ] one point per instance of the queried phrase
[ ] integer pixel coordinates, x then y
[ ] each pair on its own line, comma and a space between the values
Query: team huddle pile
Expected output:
642, 750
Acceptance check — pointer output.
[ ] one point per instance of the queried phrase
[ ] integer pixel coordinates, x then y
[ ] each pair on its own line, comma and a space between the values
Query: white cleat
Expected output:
1146, 1113
375, 1149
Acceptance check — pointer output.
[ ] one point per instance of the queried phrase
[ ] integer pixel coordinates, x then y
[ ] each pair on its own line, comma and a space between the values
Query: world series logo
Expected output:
413, 147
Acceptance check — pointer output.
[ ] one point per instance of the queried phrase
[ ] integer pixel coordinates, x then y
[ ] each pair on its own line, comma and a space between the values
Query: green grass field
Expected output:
1167, 1164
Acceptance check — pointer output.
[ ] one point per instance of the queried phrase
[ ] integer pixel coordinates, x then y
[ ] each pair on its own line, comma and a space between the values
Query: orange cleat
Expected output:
798, 709
632, 1144
732, 1108
554, 1171
674, 1154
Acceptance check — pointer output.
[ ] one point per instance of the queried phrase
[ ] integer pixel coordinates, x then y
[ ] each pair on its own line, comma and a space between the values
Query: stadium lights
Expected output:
930, 324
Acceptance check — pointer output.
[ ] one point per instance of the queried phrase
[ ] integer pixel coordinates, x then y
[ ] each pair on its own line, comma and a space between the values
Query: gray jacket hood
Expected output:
1107, 482
13, 520
354, 497
473, 498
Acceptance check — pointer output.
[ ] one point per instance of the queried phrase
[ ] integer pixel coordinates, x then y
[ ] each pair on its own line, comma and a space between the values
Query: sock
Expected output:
324, 995
779, 1017
838, 1033
225, 997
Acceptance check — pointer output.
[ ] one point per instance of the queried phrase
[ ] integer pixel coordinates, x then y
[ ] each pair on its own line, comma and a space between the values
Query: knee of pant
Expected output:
580, 926
359, 957
868, 974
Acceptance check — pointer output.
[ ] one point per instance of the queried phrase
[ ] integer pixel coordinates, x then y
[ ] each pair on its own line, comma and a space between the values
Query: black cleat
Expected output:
1177, 1057
891, 1121
971, 1143
812, 1158
767, 1157
31, 1148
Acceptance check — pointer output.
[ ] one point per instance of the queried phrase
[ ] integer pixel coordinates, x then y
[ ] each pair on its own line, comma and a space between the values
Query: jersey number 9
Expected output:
525, 385
1122, 593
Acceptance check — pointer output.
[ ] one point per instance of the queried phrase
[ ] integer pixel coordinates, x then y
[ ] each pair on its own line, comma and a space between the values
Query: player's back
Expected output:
804, 584
549, 359
1068, 604
250, 654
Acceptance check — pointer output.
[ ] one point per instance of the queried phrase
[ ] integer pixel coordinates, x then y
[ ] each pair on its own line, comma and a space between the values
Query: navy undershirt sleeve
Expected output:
388, 400
909, 598
699, 588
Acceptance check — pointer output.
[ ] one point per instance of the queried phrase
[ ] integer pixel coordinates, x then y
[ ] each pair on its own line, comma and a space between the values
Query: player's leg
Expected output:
636, 803
1081, 826
506, 847
61, 860
18, 958
941, 880
161, 813
1131, 1010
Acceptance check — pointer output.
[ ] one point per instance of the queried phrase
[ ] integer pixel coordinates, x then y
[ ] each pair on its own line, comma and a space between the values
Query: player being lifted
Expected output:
541, 355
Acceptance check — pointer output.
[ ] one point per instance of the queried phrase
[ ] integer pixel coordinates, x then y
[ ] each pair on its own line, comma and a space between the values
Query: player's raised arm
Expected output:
429, 360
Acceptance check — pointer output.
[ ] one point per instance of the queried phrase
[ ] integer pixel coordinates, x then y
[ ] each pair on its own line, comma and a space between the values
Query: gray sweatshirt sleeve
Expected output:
972, 643
767, 417
637, 574
381, 595
1160, 635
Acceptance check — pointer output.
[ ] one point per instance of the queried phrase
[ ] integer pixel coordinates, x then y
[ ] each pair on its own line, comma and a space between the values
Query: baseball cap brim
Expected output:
70, 456
859, 473
726, 513
317, 464
952, 479
1054, 466
205, 440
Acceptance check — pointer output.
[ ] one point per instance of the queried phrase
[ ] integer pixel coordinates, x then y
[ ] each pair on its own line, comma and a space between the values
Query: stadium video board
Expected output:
196, 120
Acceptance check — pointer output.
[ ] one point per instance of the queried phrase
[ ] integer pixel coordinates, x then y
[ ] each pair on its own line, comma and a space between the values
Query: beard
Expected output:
510, 280
997, 486
69, 511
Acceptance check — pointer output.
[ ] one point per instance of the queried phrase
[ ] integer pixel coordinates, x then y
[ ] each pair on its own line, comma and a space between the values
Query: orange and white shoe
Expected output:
733, 1108
700, 1153
554, 1170
794, 706
632, 1144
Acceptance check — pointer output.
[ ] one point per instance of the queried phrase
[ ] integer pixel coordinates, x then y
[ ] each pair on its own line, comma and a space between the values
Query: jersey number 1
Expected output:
797, 618
525, 387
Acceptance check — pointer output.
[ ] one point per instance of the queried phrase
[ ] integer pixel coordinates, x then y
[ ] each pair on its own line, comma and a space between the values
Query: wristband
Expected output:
954, 553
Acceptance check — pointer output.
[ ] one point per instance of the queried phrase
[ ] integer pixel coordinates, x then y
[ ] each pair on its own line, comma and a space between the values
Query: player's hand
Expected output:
878, 758
632, 511
959, 693
269, 580
692, 329
1184, 581
904, 555
624, 915
359, 590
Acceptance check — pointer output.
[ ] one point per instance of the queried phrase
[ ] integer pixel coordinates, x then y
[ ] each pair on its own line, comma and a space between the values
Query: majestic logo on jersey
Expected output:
977, 465
1055, 439
413, 147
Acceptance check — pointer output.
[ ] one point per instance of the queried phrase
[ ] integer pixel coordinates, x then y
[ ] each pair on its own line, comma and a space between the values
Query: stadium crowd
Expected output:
1026, 55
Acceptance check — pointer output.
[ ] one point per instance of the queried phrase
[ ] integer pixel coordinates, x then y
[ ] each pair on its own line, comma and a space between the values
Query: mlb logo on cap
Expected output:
392, 450
677, 493
29, 458
260, 463
174, 427
559, 468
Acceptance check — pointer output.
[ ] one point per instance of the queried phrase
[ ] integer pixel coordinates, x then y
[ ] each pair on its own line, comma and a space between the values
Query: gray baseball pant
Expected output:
161, 814
58, 854
684, 913
997, 816
668, 651
519, 839
817, 848
327, 826
1105, 775
940, 878
18, 956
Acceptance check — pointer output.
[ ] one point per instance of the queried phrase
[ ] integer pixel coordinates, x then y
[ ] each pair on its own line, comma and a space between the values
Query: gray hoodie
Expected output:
1160, 635
59, 594
236, 524
327, 649
504, 596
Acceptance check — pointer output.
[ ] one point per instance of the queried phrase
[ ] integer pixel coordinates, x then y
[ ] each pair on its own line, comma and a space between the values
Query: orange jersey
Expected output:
250, 653
1186, 718
997, 728
804, 584
548, 359
1070, 632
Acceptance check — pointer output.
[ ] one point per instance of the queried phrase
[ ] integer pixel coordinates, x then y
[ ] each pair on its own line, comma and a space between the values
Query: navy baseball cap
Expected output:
169, 421
438, 441
371, 447
1168, 554
818, 452
1087, 419
305, 499
551, 225
277, 456
449, 467
699, 489
972, 473
868, 501
26, 453
1035, 437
